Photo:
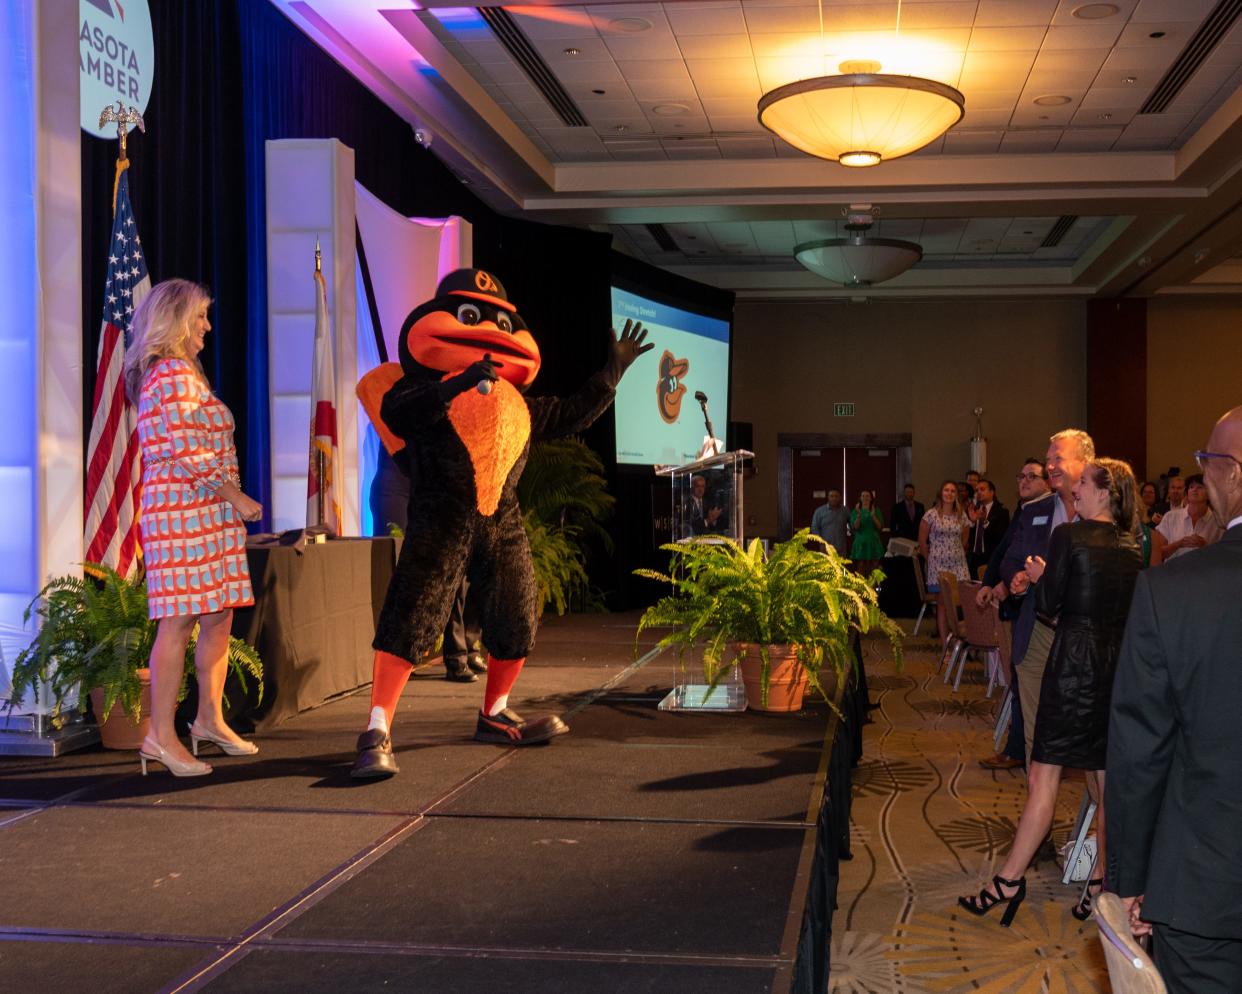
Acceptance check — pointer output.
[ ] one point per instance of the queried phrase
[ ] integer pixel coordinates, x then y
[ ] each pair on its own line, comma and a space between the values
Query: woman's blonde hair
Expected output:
161, 327
958, 510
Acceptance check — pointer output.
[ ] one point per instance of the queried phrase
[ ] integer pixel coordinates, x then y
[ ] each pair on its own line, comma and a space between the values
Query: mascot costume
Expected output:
456, 405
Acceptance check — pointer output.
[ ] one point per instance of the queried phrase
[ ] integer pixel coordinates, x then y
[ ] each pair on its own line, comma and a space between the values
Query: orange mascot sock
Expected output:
502, 674
389, 677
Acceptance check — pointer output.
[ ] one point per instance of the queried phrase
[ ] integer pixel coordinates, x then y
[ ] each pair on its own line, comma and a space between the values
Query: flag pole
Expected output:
124, 118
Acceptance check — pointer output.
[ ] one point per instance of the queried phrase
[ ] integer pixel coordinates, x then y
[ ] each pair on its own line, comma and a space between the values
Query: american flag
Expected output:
113, 464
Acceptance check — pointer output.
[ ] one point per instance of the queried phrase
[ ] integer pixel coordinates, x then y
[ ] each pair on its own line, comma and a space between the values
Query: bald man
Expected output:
1174, 782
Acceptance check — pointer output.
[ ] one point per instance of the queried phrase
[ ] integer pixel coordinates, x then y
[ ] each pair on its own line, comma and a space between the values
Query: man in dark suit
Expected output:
1173, 789
989, 520
905, 516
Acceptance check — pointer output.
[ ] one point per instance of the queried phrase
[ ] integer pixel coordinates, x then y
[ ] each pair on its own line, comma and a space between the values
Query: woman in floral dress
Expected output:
942, 541
192, 514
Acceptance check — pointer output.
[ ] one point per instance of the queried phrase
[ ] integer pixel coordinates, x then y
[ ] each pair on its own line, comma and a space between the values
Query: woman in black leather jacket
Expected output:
1085, 590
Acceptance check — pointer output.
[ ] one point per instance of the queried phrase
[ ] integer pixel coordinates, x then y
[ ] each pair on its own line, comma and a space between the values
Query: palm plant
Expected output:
94, 632
564, 503
726, 596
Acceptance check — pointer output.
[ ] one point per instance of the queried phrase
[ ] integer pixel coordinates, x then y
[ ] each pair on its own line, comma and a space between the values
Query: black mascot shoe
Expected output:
509, 728
477, 663
458, 671
375, 758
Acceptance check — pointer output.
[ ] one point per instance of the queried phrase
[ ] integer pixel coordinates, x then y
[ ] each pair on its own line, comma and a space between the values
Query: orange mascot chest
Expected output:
494, 428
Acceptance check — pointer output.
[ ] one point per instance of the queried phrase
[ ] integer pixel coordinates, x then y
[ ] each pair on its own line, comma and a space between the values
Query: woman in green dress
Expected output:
866, 522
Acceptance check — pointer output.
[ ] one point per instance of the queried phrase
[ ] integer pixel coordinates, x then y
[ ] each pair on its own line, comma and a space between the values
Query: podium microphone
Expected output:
701, 397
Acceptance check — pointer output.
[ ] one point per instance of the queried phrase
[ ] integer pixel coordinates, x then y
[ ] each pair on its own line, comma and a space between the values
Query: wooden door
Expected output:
813, 473
875, 469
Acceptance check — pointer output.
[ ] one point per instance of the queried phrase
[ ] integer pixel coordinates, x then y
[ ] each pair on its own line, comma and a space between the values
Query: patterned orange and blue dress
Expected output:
193, 542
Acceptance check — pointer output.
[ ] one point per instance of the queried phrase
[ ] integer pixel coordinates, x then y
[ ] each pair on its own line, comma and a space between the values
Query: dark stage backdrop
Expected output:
231, 74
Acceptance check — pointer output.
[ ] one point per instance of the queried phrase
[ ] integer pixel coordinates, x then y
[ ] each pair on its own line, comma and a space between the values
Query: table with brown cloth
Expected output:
313, 619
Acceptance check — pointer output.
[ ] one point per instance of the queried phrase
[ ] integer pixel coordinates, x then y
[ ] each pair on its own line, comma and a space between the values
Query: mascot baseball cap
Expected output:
476, 283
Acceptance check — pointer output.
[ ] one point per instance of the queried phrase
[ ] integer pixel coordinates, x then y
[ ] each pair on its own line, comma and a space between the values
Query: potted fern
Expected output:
95, 637
788, 618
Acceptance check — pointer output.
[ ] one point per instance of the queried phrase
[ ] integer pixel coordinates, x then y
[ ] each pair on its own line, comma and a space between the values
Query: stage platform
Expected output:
646, 851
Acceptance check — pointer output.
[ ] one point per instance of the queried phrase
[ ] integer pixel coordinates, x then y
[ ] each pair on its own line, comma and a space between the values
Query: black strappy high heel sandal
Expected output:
1082, 910
986, 900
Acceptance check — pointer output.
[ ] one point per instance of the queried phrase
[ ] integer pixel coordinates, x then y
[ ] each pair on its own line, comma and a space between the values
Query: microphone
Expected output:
701, 397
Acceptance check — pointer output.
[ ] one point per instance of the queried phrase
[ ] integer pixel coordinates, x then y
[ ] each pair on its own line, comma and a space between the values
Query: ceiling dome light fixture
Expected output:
861, 119
858, 260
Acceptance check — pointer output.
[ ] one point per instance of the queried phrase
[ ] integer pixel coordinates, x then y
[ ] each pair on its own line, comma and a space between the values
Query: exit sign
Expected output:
842, 410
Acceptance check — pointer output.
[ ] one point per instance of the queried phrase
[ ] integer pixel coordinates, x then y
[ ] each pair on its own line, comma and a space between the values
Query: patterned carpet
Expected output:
929, 824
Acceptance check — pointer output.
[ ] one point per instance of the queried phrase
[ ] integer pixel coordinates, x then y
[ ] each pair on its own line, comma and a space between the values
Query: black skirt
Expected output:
1071, 726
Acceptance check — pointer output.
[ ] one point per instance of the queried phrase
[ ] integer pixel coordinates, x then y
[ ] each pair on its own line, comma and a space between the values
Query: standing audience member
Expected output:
989, 520
1148, 497
866, 523
1086, 587
905, 516
1069, 452
829, 522
1191, 526
1174, 495
942, 543
1174, 792
1032, 486
192, 520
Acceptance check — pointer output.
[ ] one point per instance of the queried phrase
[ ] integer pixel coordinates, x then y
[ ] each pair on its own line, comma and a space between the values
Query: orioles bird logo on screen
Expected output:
669, 390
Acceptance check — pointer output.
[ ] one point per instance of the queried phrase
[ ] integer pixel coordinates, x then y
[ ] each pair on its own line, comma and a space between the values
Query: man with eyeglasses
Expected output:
1032, 487
1174, 780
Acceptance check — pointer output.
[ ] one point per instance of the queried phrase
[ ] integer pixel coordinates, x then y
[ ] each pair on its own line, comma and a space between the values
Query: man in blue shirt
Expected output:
829, 521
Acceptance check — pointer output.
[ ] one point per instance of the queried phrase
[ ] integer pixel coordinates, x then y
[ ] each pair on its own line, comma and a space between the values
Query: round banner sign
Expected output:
116, 59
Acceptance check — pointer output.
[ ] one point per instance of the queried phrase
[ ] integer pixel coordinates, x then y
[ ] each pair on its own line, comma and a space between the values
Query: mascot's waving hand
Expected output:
457, 405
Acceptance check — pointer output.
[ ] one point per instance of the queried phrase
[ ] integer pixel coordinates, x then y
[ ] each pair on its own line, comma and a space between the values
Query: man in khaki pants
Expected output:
1069, 452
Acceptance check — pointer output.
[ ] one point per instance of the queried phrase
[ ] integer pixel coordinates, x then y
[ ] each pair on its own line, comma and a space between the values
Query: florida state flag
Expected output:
323, 504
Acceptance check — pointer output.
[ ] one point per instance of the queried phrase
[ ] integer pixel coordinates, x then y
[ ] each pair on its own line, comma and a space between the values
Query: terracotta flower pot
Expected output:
786, 681
116, 729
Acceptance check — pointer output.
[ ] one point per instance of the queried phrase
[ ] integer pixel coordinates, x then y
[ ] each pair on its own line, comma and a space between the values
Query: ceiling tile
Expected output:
778, 72
691, 124
590, 49
1086, 36
1010, 63
772, 237
1098, 116
623, 153
642, 47
1064, 14
505, 73
597, 74
1111, 98
681, 152
972, 142
728, 107
1137, 144
708, 70
571, 22
991, 100
693, 19
1088, 139
1059, 81
860, 17
654, 68
615, 127
986, 118
1152, 61
1026, 115
1176, 34
1006, 39
954, 14
1036, 141
786, 46
784, 19
1014, 13
814, 230
663, 90
736, 46
1157, 11
1070, 60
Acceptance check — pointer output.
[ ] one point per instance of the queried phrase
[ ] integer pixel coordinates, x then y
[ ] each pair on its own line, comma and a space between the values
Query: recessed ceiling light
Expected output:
630, 25
572, 51
1095, 11
1156, 34
670, 110
1106, 116
1129, 79
599, 93
1052, 100
620, 127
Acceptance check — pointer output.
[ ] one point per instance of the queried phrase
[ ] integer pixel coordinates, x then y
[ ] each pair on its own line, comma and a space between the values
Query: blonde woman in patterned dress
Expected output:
942, 542
192, 514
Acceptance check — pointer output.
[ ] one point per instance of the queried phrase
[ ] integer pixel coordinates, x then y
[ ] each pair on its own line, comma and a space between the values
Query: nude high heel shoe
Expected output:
156, 753
198, 735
